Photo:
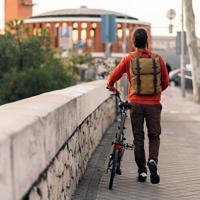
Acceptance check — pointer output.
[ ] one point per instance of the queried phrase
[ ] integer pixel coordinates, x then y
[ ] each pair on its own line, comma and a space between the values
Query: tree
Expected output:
28, 65
189, 19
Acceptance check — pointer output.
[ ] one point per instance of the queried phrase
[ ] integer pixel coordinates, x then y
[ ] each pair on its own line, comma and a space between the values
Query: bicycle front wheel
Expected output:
113, 167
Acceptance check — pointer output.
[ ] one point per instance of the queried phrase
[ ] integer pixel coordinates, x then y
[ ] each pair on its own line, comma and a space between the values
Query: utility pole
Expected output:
107, 52
108, 36
182, 52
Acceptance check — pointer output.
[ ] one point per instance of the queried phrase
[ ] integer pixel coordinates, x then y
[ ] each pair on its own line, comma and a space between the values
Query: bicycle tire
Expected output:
114, 167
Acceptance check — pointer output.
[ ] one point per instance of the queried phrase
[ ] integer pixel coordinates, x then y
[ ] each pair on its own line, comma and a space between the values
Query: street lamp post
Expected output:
182, 53
171, 15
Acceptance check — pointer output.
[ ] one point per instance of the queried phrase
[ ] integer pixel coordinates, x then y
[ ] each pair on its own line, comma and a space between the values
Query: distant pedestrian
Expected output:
169, 68
148, 77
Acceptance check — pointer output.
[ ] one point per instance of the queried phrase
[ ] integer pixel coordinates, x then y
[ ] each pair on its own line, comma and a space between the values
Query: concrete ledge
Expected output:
33, 130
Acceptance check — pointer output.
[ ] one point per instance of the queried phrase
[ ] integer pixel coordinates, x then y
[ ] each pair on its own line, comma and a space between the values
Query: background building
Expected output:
18, 9
166, 46
78, 29
1, 31
167, 43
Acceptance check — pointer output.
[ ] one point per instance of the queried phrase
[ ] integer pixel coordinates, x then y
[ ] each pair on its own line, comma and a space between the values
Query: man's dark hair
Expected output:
140, 38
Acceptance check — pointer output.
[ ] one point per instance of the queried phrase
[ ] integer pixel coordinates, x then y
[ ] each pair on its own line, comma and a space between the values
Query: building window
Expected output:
83, 32
93, 36
75, 35
83, 35
39, 31
75, 25
127, 39
92, 33
48, 25
119, 37
119, 26
127, 32
119, 33
57, 25
75, 32
64, 24
94, 25
84, 25
34, 31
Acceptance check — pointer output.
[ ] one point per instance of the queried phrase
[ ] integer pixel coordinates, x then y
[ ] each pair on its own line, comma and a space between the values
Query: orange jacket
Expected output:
124, 67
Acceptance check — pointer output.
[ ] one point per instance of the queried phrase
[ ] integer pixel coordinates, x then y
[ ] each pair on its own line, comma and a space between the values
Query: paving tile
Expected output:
179, 158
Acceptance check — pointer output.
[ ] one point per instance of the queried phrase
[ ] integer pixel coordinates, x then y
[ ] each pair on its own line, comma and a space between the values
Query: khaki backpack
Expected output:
145, 75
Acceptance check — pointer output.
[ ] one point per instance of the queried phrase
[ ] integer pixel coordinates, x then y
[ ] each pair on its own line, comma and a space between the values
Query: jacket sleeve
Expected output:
117, 73
164, 74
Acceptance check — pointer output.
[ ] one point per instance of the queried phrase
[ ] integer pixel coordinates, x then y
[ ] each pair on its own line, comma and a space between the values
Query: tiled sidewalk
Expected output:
179, 160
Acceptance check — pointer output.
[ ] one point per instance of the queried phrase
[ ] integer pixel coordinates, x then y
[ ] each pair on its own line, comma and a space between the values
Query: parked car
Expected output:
175, 78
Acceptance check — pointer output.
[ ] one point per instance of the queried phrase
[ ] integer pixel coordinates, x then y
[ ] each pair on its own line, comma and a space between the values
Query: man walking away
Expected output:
148, 77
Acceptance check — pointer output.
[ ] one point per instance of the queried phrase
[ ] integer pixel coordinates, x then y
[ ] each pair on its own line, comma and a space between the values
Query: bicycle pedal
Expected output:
129, 147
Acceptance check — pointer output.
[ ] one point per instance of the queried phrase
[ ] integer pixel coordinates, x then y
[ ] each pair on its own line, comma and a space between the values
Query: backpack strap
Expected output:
135, 56
155, 81
153, 55
138, 76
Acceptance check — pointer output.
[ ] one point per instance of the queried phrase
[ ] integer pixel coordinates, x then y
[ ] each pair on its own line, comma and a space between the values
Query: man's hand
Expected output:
112, 89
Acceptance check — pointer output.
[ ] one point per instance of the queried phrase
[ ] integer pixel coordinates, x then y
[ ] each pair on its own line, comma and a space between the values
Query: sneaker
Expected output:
118, 171
155, 178
142, 177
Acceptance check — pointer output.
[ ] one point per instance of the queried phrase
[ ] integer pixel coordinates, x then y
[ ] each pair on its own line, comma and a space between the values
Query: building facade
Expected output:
18, 9
78, 29
82, 28
167, 43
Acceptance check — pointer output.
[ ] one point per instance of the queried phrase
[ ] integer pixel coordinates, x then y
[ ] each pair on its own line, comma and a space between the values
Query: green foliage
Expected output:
81, 58
79, 64
33, 81
28, 65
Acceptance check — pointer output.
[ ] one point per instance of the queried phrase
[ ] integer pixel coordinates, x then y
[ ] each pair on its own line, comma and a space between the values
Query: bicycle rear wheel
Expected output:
114, 167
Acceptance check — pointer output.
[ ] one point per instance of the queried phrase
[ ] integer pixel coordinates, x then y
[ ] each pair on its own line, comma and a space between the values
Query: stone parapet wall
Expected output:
47, 140
59, 181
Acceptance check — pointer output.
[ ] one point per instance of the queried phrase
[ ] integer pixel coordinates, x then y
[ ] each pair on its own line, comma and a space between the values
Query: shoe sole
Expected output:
155, 178
118, 172
142, 179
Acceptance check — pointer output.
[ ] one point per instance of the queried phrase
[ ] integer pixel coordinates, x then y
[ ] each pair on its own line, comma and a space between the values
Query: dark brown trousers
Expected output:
151, 114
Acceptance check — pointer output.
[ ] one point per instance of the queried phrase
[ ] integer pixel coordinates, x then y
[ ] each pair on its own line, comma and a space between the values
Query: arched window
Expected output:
119, 36
75, 32
83, 32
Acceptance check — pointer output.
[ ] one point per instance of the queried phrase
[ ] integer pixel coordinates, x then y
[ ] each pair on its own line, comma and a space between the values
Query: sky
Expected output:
153, 11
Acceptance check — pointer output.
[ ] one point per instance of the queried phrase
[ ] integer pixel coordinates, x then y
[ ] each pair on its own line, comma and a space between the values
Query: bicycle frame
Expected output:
119, 139
119, 146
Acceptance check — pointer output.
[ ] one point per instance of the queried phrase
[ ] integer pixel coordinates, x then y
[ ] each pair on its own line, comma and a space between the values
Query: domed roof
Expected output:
82, 12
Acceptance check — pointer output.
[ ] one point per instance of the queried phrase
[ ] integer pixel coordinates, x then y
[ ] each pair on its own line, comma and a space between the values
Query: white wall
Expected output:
33, 130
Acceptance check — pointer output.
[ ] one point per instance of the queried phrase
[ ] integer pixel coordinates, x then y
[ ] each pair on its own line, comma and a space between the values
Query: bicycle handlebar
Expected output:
125, 105
122, 104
